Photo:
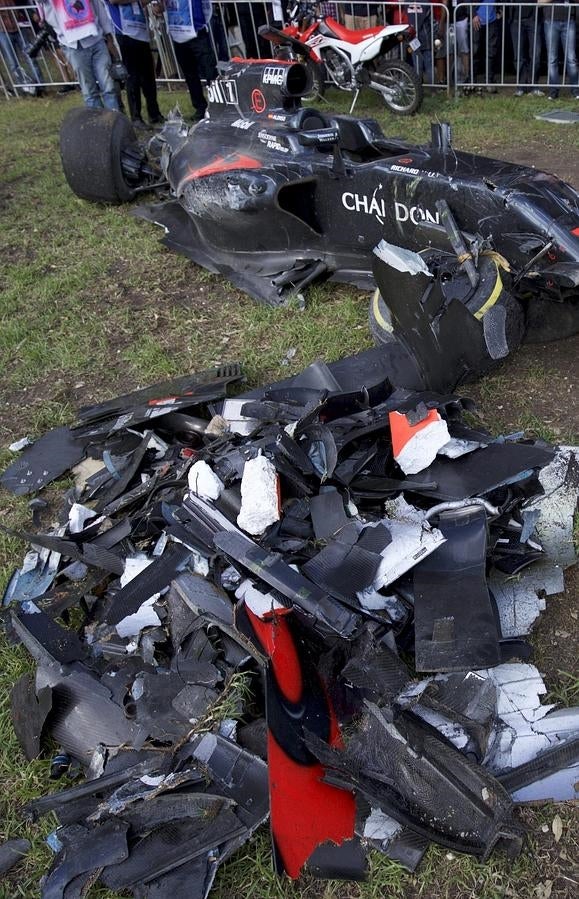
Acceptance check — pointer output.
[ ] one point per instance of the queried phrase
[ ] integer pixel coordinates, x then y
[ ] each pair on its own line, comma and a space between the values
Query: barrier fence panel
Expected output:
473, 46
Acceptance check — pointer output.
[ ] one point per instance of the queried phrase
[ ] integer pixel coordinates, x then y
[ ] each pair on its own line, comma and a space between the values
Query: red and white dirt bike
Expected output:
350, 59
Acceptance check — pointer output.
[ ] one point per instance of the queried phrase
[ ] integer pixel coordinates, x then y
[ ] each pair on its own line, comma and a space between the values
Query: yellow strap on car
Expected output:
496, 292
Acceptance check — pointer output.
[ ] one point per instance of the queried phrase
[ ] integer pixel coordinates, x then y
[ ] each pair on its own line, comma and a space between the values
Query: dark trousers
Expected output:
138, 60
197, 60
485, 51
526, 37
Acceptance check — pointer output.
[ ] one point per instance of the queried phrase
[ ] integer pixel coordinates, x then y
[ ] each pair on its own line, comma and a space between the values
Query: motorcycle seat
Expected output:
351, 37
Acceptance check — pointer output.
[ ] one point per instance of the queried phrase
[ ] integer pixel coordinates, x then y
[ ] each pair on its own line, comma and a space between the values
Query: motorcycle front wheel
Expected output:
317, 72
404, 85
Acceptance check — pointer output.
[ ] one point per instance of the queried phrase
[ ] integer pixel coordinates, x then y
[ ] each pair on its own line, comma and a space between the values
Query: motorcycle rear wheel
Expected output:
403, 81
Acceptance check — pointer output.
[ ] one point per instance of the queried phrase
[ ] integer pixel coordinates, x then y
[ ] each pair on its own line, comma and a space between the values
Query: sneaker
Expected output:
552, 95
491, 89
576, 96
538, 92
520, 92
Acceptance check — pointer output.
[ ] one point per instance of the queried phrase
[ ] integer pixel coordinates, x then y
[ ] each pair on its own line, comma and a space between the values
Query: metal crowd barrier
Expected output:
506, 47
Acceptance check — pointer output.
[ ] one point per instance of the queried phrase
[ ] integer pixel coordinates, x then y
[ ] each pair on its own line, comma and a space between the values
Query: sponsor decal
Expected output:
223, 90
277, 117
377, 206
406, 160
273, 142
404, 168
242, 124
415, 214
258, 103
273, 75
315, 40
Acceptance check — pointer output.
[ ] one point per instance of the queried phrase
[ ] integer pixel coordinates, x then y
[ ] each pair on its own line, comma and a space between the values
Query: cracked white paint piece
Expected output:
554, 528
145, 616
259, 496
238, 423
520, 598
411, 543
519, 731
420, 442
380, 827
204, 482
402, 260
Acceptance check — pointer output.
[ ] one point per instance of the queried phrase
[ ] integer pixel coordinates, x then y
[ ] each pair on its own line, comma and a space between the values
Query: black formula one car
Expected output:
275, 196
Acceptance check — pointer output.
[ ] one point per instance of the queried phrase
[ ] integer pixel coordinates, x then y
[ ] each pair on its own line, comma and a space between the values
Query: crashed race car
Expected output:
275, 197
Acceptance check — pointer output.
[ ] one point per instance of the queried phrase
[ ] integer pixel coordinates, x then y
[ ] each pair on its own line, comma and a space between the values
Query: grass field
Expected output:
91, 305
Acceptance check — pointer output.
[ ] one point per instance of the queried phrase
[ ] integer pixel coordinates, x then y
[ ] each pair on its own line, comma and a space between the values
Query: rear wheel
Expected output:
404, 85
92, 143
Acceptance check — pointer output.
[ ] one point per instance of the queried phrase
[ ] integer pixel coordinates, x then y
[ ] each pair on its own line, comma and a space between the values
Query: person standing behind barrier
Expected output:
560, 30
485, 43
85, 33
526, 37
132, 35
188, 25
460, 14
11, 45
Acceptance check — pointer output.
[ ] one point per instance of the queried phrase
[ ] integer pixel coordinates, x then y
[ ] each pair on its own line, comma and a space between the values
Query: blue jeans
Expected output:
562, 33
92, 66
11, 44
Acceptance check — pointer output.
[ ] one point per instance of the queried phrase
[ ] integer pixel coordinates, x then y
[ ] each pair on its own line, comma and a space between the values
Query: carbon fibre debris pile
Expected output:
307, 603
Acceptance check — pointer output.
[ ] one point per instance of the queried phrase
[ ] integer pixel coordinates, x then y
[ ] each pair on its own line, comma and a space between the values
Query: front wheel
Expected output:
402, 86
317, 73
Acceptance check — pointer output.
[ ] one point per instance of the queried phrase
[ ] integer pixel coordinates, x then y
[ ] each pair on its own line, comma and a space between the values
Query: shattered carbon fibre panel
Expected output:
156, 672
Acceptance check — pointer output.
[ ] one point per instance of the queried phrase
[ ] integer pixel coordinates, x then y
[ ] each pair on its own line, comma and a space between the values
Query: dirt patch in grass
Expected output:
559, 157
556, 638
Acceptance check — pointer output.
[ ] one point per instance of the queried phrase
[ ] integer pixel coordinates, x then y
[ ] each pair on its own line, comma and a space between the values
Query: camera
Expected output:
45, 34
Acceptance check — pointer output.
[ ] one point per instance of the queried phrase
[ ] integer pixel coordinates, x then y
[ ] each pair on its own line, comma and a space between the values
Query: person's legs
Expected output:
461, 37
101, 65
148, 85
8, 54
130, 59
568, 39
188, 65
19, 45
478, 54
197, 61
492, 41
81, 61
552, 40
518, 39
533, 33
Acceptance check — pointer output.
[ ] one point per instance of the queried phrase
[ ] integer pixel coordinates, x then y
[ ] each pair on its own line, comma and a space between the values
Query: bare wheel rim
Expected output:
399, 80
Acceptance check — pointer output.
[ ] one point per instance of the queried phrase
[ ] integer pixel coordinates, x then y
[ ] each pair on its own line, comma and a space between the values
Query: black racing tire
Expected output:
380, 321
91, 144
406, 83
